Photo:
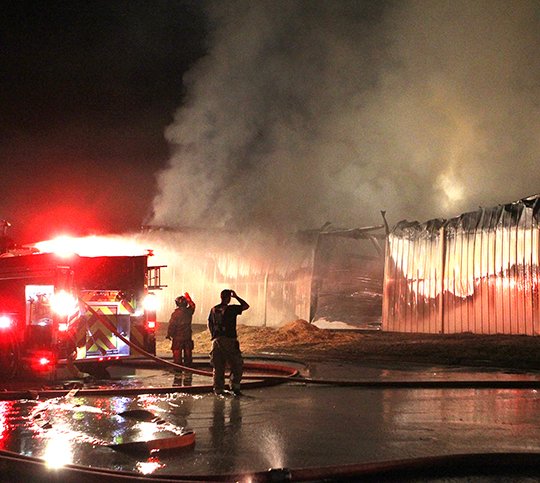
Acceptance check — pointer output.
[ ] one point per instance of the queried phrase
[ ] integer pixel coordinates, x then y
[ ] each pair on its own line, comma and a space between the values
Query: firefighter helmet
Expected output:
180, 301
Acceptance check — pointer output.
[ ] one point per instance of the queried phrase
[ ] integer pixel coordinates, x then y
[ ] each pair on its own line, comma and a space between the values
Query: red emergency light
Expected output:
64, 303
5, 322
43, 361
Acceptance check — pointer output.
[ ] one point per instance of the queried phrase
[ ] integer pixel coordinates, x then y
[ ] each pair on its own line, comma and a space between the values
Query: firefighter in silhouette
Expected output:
225, 345
179, 330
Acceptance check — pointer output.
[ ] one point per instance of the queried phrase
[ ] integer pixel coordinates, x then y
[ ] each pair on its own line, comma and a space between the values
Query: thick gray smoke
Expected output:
311, 111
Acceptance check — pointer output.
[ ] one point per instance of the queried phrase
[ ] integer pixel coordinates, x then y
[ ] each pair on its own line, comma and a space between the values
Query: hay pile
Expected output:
302, 340
255, 339
292, 336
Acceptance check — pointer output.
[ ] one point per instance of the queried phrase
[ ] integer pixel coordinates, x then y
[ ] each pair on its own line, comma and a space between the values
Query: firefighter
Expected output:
225, 345
179, 330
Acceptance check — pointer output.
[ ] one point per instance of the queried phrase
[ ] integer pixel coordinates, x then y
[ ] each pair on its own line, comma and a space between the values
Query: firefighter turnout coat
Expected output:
179, 329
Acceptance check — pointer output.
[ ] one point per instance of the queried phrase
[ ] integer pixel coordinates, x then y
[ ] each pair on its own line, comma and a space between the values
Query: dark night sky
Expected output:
87, 89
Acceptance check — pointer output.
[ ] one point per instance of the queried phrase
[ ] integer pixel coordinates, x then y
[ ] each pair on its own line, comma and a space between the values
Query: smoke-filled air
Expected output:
304, 112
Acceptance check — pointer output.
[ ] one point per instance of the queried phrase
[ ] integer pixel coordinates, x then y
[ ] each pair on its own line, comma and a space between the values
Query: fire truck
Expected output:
88, 311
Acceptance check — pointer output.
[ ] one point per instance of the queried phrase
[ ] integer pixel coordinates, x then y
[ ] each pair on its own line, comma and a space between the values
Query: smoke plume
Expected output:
310, 111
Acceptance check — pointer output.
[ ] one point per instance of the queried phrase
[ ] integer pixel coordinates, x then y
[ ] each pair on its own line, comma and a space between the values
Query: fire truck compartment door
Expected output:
98, 339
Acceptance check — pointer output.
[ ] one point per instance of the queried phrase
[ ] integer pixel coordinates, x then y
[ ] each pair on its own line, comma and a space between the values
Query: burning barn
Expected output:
330, 277
476, 273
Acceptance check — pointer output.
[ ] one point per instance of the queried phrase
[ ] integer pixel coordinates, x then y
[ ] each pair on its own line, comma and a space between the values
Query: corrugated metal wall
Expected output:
474, 273
274, 278
330, 275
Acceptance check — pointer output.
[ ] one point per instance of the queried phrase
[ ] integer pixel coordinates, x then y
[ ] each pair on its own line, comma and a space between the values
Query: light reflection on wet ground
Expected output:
294, 425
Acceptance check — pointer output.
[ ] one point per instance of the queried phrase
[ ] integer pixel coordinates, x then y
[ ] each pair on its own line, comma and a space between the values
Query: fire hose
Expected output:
15, 467
192, 370
292, 374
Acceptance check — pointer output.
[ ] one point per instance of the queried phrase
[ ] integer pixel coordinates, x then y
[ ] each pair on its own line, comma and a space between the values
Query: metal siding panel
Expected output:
420, 296
480, 274
490, 280
386, 284
463, 282
499, 307
390, 285
431, 285
426, 293
517, 269
478, 279
413, 286
521, 312
440, 271
407, 291
528, 275
456, 283
468, 245
419, 299
450, 283
512, 276
535, 295
483, 284
507, 281
399, 286
490, 235
400, 278
396, 281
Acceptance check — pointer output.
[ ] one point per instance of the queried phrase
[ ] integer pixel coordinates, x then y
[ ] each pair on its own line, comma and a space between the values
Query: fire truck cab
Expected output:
89, 310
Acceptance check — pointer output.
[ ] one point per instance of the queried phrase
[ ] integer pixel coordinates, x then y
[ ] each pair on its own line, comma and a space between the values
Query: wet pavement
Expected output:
293, 425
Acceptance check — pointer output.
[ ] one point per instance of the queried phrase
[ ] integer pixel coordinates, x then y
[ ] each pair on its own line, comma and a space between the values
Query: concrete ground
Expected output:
294, 425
